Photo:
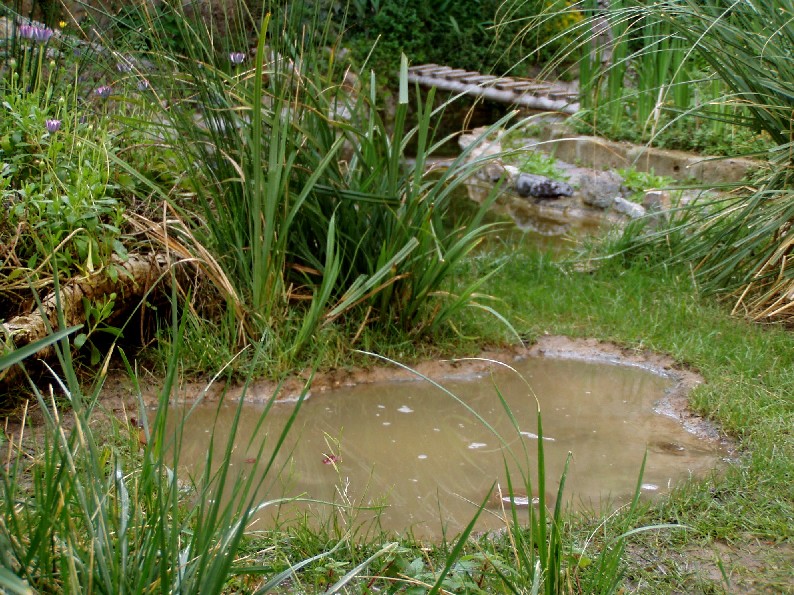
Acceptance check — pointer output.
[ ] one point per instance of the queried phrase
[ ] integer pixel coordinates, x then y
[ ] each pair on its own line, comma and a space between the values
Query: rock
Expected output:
626, 207
599, 188
541, 187
657, 203
493, 172
599, 202
656, 200
496, 171
512, 172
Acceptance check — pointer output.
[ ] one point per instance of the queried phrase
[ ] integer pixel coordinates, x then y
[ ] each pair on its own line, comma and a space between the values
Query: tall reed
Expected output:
85, 512
303, 194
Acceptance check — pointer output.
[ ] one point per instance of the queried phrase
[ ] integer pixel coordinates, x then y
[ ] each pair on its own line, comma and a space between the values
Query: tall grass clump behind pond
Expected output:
298, 197
84, 511
741, 242
642, 80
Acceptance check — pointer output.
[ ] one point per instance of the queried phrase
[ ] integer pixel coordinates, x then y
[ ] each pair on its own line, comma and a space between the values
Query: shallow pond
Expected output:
425, 459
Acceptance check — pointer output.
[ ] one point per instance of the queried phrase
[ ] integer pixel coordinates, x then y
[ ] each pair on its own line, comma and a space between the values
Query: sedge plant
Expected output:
738, 243
725, 64
300, 190
87, 514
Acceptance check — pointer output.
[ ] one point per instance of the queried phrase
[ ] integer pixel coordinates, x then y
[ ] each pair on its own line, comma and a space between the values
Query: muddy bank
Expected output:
674, 404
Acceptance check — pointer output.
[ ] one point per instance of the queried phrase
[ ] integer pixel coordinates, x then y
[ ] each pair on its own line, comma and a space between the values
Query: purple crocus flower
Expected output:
143, 84
237, 57
53, 126
26, 31
42, 34
104, 91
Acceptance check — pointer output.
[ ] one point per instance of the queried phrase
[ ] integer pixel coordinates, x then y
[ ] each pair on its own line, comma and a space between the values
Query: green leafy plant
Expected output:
303, 194
639, 181
63, 207
540, 164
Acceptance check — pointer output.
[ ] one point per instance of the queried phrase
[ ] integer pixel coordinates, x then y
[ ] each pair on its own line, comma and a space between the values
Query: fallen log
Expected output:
129, 279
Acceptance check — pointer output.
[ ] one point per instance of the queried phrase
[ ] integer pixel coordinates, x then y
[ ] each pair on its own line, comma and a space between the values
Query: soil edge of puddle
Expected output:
674, 404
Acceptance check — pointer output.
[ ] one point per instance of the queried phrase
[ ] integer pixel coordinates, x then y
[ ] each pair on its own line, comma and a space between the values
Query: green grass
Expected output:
748, 371
347, 266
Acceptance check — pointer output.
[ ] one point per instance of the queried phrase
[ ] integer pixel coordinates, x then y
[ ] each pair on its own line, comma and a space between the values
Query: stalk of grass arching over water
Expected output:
537, 556
83, 514
544, 561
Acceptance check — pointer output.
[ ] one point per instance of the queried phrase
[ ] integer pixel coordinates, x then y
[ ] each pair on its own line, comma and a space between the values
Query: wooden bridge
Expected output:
533, 94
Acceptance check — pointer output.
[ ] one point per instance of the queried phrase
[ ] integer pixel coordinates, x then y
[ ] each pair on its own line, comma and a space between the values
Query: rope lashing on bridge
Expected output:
539, 95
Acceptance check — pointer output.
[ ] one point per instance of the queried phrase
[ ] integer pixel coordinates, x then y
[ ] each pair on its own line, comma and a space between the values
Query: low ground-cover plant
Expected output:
540, 164
63, 203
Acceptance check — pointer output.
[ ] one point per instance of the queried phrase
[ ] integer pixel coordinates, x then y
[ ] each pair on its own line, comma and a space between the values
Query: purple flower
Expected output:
237, 57
42, 35
104, 91
38, 34
53, 126
143, 84
123, 66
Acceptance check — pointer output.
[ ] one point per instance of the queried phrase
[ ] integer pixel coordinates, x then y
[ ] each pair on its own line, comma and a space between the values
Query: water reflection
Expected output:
427, 458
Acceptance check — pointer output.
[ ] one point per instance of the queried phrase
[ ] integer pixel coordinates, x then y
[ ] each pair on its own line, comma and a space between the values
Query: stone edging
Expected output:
599, 153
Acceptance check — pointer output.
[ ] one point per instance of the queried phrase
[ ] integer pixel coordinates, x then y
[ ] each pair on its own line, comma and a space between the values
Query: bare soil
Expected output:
751, 566
120, 398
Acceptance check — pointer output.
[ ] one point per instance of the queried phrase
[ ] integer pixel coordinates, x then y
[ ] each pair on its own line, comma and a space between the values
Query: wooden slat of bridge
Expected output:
541, 95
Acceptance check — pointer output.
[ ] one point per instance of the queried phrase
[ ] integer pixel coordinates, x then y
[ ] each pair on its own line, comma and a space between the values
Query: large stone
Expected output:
541, 187
625, 207
559, 140
599, 188
656, 200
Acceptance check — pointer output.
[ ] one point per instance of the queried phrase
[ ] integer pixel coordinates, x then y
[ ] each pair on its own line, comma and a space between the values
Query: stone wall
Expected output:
69, 11
74, 12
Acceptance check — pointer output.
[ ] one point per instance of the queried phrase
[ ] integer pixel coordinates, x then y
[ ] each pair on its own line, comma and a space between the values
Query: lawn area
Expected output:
748, 370
238, 194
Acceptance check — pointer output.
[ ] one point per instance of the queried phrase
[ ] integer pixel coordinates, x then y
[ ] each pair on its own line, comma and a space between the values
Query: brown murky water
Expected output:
425, 458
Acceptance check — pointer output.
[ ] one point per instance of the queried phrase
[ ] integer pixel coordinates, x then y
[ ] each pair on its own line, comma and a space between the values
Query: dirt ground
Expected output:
120, 398
698, 567
751, 566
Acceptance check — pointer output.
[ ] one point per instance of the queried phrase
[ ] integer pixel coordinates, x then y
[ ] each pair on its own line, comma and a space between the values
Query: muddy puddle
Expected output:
411, 457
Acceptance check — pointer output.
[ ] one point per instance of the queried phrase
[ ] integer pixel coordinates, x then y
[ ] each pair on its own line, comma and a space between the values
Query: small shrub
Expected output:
61, 199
